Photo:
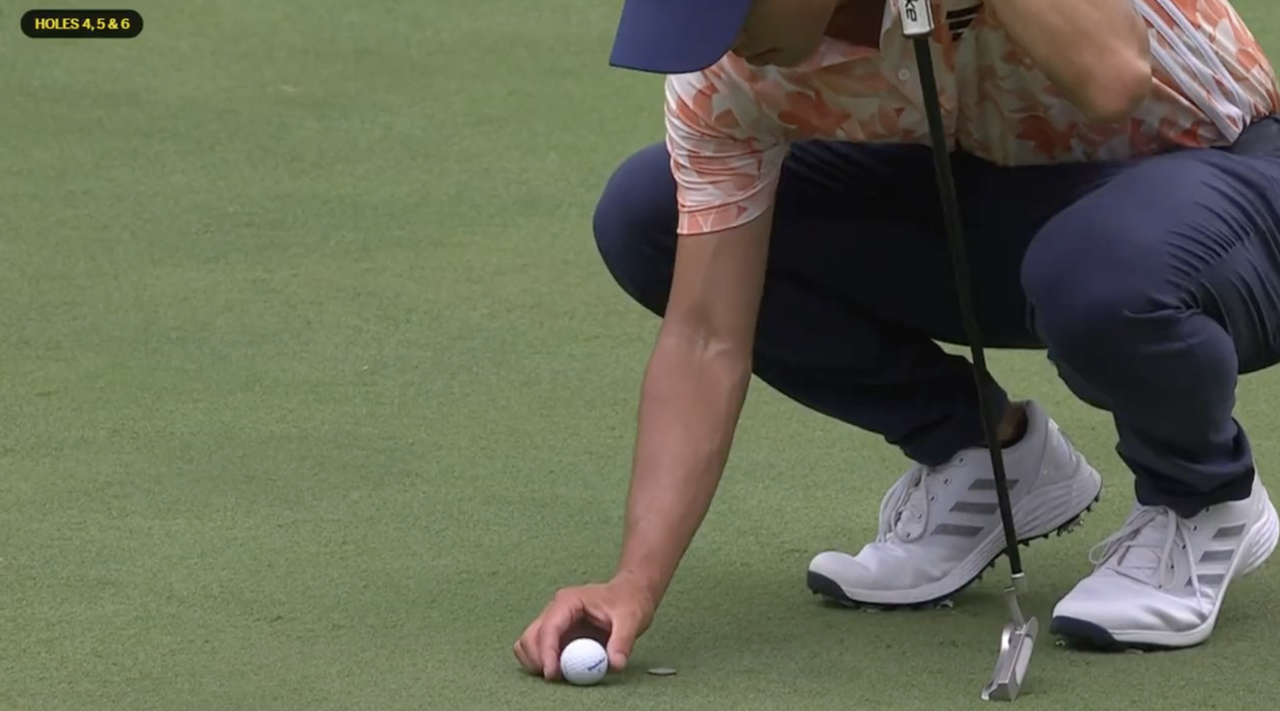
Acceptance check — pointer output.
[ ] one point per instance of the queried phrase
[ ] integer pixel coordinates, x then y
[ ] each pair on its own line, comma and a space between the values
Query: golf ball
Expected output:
584, 662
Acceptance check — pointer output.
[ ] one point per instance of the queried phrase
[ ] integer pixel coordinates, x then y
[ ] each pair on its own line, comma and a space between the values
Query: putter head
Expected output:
1017, 642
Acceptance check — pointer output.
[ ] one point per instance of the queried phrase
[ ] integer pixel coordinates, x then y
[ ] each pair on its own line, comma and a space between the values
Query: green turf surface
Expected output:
314, 389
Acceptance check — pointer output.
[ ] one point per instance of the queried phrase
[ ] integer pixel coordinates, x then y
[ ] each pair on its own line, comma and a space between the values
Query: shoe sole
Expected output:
832, 591
1089, 636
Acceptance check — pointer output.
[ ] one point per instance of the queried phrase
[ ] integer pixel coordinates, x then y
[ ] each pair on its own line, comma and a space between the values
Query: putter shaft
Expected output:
1017, 641
919, 28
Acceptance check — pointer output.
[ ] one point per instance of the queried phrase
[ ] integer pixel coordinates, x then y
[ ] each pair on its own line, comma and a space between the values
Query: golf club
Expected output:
1018, 639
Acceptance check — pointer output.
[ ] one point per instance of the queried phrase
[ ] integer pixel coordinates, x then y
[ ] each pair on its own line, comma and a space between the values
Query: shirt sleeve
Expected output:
726, 153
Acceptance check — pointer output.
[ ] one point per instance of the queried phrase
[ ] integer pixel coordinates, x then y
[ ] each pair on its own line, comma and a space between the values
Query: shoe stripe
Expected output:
1209, 579
974, 507
1229, 532
989, 484
1218, 556
956, 529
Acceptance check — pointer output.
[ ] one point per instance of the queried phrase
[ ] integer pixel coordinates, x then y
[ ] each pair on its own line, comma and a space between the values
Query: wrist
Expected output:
651, 584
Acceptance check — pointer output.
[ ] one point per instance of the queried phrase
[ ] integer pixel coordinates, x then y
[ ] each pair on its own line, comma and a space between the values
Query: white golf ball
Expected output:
584, 662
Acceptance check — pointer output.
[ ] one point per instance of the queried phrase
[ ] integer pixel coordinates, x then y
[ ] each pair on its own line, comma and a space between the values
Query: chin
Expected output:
772, 60
793, 58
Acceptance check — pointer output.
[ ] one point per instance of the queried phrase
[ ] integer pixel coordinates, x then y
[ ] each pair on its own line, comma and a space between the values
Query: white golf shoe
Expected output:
940, 527
1160, 580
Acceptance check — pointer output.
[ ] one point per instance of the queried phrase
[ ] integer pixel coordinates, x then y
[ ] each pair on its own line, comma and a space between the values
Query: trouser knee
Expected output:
1126, 337
635, 226
1098, 324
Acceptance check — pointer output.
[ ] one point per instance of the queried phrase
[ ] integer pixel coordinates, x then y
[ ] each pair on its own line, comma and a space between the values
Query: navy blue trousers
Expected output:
1151, 283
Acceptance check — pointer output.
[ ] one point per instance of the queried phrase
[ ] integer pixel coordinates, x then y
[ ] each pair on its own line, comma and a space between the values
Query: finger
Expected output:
527, 646
622, 637
554, 624
526, 659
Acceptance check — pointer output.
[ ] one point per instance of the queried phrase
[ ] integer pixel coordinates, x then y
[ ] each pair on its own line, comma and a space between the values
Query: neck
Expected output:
857, 22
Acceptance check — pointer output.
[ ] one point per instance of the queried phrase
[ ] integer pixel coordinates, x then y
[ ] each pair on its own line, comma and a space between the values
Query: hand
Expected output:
613, 613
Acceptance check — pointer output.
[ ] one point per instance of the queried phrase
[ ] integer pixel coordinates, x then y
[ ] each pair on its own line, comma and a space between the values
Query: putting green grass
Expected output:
314, 389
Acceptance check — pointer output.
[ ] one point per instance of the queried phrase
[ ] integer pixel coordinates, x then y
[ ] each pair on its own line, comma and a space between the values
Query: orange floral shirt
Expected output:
729, 126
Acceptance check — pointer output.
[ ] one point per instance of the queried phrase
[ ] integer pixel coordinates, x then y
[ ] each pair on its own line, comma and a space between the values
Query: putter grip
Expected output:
917, 17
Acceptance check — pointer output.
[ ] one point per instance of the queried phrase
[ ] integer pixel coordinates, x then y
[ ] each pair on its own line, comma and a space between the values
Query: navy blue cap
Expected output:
676, 36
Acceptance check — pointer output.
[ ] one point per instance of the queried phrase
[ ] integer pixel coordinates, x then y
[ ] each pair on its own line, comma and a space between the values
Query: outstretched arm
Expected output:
692, 395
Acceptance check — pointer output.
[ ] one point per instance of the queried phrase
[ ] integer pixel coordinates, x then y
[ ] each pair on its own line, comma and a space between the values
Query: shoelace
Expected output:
1143, 548
904, 511
903, 500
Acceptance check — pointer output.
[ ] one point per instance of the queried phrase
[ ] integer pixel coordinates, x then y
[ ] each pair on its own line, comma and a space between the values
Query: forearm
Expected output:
1095, 51
692, 396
